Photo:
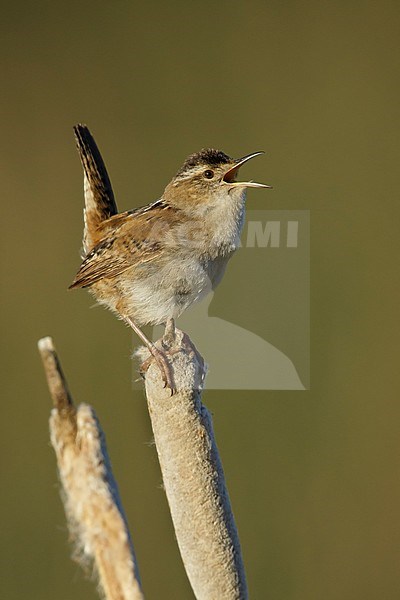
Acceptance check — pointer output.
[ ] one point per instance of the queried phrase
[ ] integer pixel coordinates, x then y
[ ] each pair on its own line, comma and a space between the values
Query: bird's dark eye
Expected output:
208, 174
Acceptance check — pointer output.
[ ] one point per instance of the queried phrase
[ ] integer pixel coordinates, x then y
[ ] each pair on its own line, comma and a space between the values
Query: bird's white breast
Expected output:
195, 256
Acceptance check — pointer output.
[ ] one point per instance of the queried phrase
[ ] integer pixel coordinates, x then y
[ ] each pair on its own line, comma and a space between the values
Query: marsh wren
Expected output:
149, 264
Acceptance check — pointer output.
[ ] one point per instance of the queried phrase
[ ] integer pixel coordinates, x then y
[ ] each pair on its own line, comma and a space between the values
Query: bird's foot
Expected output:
164, 365
155, 354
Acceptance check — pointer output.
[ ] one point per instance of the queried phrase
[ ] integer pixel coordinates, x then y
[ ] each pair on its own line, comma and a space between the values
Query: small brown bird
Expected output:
149, 264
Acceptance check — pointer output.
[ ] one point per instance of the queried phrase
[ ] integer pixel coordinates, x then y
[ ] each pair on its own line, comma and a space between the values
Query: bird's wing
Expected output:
99, 197
127, 239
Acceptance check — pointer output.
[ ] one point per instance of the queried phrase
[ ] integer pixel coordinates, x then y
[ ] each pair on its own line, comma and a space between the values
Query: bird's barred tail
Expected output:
99, 197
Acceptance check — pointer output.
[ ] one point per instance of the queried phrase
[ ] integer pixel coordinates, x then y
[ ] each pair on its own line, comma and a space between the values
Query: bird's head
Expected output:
208, 176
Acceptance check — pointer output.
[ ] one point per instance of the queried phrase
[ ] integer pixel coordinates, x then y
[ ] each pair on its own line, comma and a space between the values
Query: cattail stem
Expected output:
193, 477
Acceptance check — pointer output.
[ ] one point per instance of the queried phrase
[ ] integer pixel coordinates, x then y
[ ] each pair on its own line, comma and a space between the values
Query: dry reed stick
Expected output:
93, 508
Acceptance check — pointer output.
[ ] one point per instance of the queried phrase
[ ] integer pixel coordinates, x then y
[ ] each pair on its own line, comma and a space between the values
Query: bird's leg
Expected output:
169, 337
158, 355
169, 333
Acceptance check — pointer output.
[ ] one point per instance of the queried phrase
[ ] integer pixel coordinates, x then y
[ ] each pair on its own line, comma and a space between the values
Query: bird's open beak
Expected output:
231, 174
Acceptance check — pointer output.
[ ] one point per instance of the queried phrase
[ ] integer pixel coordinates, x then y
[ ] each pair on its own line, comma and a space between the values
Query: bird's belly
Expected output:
166, 290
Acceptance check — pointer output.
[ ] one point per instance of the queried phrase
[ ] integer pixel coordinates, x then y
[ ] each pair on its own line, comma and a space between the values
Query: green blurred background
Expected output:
313, 476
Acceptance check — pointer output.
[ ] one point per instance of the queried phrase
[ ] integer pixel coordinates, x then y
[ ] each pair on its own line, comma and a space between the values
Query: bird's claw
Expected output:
164, 365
